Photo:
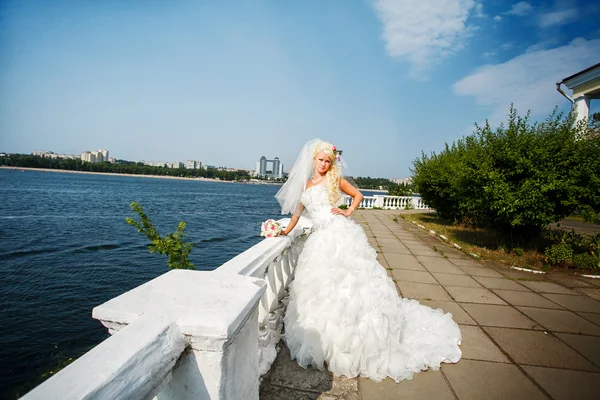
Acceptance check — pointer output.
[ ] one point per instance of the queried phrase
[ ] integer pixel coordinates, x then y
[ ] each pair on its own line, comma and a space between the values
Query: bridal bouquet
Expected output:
270, 228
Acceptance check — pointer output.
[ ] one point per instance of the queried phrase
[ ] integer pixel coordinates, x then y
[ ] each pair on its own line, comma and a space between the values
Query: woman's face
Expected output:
322, 162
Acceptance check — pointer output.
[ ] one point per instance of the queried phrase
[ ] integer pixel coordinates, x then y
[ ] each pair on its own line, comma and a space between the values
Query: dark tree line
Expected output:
123, 167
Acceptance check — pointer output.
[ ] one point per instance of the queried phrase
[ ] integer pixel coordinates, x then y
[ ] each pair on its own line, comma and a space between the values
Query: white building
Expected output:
193, 164
175, 164
402, 181
154, 163
585, 86
95, 156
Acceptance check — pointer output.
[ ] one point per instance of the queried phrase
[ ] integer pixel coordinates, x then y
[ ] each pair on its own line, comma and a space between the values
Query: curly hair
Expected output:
332, 175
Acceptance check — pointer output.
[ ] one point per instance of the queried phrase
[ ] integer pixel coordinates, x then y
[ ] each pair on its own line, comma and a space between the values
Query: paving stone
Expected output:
538, 348
566, 385
561, 321
588, 346
427, 253
286, 372
570, 280
575, 303
593, 281
516, 274
383, 262
269, 392
466, 262
477, 346
473, 295
451, 253
547, 287
389, 242
424, 385
414, 276
342, 388
501, 316
477, 271
439, 264
394, 250
500, 283
529, 299
404, 261
478, 380
423, 291
458, 314
593, 293
595, 318
456, 280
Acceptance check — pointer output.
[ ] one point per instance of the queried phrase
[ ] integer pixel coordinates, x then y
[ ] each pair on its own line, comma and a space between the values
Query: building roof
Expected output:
579, 78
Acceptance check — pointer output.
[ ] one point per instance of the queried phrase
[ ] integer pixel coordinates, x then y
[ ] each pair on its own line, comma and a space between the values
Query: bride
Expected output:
344, 311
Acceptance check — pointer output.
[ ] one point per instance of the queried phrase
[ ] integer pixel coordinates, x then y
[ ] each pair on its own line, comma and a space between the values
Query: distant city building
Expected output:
175, 164
209, 167
154, 163
275, 171
193, 164
402, 181
51, 154
95, 156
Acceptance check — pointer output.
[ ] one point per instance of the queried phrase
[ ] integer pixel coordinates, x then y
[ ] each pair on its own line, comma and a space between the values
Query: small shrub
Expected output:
395, 219
343, 206
171, 245
585, 261
595, 250
558, 254
574, 239
518, 251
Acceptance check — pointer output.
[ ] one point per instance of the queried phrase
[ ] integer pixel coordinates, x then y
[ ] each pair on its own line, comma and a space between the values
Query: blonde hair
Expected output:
332, 175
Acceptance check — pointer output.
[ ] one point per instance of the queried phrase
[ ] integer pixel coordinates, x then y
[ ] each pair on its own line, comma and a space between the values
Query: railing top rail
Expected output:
255, 260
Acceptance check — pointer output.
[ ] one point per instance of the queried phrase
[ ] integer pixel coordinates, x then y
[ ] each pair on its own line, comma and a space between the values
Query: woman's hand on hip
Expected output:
339, 211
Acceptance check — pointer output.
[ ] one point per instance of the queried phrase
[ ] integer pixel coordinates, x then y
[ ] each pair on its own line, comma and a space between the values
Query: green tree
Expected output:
516, 178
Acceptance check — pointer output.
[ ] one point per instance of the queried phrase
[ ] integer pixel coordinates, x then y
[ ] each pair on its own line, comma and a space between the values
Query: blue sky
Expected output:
228, 82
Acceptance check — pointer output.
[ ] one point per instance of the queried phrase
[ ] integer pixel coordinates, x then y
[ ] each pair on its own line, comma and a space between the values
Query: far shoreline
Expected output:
201, 179
181, 178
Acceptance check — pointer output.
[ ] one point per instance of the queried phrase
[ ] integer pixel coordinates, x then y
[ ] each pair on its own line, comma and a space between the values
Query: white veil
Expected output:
289, 194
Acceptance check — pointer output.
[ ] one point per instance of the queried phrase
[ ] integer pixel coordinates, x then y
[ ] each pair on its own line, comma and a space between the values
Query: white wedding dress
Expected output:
344, 310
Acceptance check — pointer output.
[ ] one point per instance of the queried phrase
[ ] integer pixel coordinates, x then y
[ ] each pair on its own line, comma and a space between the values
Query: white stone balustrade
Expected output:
274, 260
189, 334
389, 202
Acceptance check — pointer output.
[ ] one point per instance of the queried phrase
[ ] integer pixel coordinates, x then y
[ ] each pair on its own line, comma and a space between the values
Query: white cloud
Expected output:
529, 80
488, 54
497, 18
507, 46
558, 18
520, 9
478, 11
423, 32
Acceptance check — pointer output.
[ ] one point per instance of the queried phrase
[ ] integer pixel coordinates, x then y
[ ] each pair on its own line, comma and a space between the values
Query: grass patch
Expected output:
480, 241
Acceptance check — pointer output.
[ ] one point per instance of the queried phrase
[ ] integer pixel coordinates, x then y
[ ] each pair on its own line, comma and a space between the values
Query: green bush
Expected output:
585, 261
343, 206
171, 245
559, 254
516, 179
518, 251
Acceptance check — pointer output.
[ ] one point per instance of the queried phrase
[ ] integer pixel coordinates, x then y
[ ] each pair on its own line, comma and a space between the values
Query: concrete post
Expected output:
217, 313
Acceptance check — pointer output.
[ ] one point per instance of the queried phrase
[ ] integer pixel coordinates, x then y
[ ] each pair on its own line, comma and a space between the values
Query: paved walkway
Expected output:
581, 227
525, 336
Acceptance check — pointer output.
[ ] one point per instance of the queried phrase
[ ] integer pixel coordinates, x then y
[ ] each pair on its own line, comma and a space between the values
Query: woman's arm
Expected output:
295, 219
291, 225
351, 191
